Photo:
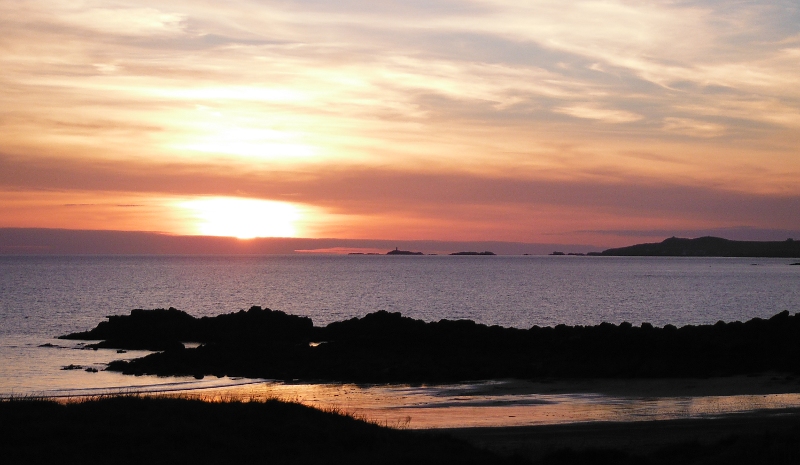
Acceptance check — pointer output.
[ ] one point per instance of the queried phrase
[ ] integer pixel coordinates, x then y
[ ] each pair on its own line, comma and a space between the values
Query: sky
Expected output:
586, 122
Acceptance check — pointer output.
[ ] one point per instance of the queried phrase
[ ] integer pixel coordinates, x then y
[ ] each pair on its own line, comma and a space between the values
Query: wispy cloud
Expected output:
295, 92
600, 114
694, 128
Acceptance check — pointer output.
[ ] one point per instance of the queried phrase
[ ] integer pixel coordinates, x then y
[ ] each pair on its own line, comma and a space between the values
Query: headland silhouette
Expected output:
709, 247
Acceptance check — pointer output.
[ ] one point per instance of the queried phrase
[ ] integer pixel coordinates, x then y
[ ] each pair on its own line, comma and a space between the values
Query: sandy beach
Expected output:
647, 440
635, 438
519, 403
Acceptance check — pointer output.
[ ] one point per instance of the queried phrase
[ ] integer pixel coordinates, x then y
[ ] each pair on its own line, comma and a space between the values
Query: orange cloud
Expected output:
482, 120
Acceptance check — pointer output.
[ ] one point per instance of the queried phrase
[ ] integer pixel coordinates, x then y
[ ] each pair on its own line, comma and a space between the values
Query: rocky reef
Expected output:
387, 347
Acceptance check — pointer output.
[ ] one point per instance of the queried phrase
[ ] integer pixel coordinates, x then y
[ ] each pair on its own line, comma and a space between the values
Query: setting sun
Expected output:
243, 218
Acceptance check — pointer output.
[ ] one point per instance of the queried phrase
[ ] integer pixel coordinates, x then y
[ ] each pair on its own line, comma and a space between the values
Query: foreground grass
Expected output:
129, 429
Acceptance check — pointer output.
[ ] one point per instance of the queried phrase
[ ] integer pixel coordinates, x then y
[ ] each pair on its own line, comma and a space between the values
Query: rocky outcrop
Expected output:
387, 347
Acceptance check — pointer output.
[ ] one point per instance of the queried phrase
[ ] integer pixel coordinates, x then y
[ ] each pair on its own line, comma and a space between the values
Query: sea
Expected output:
42, 297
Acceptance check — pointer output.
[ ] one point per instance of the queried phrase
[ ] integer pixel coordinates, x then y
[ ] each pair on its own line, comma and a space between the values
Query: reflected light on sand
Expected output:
488, 405
242, 218
481, 404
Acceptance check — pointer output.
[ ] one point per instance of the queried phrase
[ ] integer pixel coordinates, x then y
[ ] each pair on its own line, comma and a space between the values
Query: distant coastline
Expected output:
708, 247
43, 241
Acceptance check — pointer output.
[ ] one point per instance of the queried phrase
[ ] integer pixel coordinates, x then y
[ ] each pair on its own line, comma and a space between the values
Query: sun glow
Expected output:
243, 218
248, 142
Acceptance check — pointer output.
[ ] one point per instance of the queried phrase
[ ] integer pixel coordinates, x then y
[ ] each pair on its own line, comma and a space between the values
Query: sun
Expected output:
242, 218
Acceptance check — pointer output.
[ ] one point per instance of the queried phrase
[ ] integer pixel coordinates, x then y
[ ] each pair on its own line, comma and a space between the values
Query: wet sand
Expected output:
634, 438
515, 403
761, 384
739, 434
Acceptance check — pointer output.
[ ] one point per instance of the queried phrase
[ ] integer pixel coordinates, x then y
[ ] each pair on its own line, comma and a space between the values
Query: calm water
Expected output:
43, 297
54, 295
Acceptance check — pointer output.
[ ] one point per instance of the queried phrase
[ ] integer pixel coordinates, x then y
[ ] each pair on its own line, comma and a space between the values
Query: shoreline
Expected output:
505, 403
759, 384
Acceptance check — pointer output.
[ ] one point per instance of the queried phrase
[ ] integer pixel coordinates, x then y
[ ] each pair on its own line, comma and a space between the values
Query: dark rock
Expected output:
388, 347
163, 330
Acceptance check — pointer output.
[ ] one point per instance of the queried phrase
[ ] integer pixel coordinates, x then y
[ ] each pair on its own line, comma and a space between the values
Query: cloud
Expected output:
338, 104
693, 128
126, 21
372, 202
600, 114
741, 233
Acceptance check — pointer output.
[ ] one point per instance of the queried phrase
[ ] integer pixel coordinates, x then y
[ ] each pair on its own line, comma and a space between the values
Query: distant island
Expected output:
708, 247
473, 253
397, 251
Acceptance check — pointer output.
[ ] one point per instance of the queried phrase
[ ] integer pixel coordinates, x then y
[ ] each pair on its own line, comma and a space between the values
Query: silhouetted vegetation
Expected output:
140, 430
710, 247
387, 347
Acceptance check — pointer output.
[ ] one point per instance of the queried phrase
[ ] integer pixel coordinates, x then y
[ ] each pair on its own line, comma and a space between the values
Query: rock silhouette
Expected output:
387, 347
